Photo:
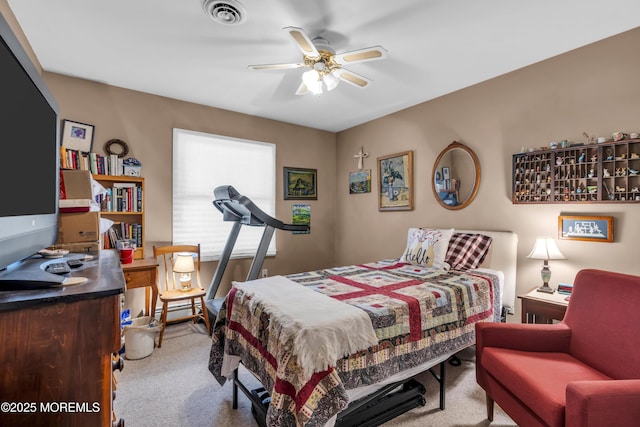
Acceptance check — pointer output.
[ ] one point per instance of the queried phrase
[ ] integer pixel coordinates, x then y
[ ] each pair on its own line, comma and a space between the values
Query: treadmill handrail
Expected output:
236, 207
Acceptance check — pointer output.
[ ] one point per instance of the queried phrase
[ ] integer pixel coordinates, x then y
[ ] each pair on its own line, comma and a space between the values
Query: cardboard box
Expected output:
78, 248
77, 184
78, 227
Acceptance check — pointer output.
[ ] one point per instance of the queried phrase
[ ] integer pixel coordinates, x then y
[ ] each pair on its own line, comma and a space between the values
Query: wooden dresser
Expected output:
58, 349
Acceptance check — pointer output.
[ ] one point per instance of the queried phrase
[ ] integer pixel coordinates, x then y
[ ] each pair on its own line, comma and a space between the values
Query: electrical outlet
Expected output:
265, 272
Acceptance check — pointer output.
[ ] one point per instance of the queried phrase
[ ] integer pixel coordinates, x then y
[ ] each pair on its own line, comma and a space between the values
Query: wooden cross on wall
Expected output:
361, 156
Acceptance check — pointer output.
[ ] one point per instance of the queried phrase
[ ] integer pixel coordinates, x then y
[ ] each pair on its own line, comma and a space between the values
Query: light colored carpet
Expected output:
173, 387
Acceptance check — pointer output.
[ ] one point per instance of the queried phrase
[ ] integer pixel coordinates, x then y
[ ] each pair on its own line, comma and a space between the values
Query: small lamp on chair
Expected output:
184, 266
545, 249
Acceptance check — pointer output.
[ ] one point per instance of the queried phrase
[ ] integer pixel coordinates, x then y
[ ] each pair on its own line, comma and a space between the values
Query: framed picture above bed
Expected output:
300, 184
395, 182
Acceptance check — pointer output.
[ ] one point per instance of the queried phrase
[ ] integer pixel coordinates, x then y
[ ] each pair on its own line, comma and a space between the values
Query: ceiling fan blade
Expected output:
275, 66
372, 53
302, 89
351, 77
303, 41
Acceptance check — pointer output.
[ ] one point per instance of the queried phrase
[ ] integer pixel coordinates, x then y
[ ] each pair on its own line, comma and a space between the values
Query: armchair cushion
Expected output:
538, 379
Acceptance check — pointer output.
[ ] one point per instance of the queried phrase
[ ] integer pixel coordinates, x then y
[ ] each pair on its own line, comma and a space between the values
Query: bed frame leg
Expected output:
441, 380
442, 384
235, 389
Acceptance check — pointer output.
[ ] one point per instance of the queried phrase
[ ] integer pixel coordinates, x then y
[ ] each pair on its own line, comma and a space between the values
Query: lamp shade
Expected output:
312, 80
331, 81
545, 248
184, 263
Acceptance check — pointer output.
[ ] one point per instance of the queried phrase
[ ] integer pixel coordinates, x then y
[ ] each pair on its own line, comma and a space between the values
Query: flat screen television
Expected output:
29, 169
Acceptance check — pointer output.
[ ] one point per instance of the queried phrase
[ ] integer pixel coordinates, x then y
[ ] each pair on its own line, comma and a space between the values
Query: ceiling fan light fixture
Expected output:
331, 81
227, 12
325, 66
312, 81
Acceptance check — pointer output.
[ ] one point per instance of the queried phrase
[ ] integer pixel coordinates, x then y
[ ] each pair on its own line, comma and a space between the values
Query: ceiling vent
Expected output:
228, 12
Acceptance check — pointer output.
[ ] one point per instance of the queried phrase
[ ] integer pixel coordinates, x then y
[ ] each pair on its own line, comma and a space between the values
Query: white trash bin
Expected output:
139, 337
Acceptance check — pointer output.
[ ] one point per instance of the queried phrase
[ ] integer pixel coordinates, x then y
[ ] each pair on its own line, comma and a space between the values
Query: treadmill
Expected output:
241, 211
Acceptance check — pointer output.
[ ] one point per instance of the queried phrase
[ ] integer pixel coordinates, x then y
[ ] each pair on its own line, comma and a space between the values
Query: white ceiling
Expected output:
172, 48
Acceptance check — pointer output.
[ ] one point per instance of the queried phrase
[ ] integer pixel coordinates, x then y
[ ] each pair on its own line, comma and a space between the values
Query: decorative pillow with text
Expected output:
427, 247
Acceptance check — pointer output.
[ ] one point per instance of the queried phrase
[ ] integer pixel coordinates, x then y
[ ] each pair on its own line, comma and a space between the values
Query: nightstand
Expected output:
540, 307
141, 273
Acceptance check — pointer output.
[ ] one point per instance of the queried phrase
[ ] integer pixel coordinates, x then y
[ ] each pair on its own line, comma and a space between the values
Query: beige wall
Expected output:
7, 13
594, 89
145, 123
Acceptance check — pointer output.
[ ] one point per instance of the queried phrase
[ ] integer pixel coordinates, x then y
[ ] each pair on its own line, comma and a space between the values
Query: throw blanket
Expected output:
321, 329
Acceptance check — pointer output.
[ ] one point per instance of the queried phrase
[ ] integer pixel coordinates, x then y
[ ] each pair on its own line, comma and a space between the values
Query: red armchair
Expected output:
584, 371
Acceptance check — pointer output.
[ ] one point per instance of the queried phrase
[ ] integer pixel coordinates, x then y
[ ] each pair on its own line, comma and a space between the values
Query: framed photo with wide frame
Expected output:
586, 228
300, 184
395, 182
77, 136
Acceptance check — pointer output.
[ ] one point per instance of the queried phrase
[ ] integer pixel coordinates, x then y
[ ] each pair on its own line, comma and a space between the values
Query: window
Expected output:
202, 162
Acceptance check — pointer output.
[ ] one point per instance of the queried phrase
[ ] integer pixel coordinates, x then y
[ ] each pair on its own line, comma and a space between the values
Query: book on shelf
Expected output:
122, 231
121, 197
565, 288
96, 163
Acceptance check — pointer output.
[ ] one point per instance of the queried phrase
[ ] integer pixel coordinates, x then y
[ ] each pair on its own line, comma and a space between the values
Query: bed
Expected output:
319, 340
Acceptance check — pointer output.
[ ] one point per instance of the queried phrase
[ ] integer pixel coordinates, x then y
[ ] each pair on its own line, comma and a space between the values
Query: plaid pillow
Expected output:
467, 251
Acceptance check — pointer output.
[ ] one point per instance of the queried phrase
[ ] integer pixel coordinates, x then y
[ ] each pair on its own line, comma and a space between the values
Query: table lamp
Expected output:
545, 249
184, 266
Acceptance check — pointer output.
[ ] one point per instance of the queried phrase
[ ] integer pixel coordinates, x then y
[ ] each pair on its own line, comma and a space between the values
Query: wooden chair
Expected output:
166, 256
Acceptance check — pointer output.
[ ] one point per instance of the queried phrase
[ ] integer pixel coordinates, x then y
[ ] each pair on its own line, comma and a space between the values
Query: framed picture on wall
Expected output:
587, 228
446, 173
77, 136
360, 181
300, 184
395, 182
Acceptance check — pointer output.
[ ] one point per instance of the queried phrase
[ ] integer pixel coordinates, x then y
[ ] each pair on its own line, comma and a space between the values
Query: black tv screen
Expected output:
29, 141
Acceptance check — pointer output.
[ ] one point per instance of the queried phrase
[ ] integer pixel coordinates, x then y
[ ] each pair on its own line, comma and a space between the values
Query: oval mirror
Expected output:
456, 176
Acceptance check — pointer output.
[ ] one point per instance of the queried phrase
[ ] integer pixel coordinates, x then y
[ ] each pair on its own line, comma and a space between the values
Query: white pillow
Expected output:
427, 247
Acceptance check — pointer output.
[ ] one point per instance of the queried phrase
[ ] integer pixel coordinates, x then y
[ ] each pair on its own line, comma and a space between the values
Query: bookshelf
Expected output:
124, 205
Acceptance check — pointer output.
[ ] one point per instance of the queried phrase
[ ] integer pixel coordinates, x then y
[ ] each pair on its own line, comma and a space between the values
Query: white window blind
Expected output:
202, 162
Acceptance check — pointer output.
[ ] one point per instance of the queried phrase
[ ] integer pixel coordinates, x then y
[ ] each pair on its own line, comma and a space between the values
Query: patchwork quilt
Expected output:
418, 314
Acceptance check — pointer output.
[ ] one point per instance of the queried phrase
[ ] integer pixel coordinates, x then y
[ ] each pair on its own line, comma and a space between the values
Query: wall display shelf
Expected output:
594, 173
124, 205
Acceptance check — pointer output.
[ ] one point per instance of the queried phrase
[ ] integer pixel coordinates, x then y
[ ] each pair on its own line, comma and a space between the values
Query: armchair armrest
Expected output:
525, 337
603, 403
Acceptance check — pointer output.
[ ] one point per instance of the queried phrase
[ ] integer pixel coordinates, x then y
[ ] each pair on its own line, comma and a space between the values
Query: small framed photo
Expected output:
77, 136
360, 181
301, 214
300, 184
445, 172
586, 228
395, 182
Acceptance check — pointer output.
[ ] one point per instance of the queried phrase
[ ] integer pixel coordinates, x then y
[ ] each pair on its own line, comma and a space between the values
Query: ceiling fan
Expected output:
326, 67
